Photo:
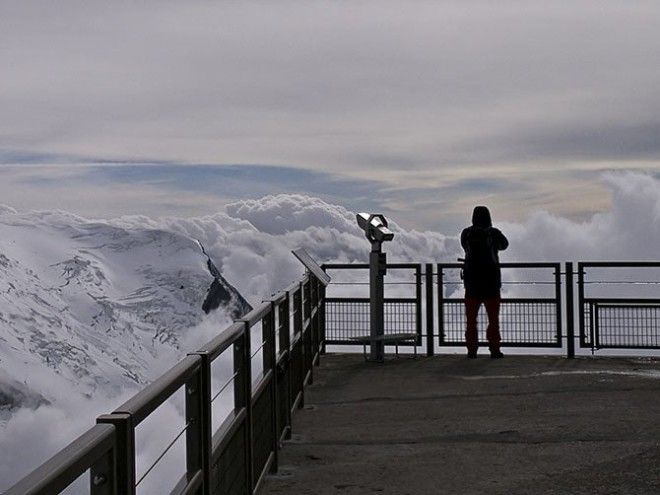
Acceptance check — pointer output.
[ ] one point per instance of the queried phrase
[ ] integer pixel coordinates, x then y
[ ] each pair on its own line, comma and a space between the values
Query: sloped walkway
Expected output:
520, 425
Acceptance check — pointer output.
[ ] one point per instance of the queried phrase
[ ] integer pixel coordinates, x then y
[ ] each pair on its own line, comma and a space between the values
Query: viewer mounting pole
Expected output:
377, 270
376, 231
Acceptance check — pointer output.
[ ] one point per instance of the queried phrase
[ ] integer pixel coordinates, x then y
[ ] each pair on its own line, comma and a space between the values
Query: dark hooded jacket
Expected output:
482, 242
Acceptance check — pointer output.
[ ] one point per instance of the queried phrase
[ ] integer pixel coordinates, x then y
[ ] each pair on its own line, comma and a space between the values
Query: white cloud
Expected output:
630, 230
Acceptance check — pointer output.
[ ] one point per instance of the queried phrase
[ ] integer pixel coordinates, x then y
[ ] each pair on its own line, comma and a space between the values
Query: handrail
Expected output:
148, 399
68, 464
531, 264
108, 448
362, 266
223, 341
620, 264
256, 314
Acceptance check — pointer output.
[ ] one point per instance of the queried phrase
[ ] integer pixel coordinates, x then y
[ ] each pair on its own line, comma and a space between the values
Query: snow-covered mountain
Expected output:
101, 305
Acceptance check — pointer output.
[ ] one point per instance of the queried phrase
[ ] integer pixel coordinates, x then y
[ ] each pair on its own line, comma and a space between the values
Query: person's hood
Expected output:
481, 217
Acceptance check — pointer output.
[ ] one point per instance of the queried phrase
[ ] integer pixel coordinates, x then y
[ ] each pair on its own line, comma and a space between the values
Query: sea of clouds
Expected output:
251, 242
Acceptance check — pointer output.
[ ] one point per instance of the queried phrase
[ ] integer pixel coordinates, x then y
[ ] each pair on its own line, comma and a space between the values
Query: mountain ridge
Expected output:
103, 306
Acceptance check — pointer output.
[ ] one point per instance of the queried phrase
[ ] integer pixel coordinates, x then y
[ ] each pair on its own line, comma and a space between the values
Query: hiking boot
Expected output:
472, 354
496, 354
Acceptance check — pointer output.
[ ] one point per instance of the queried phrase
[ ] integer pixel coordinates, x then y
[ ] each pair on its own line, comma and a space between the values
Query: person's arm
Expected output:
501, 242
464, 239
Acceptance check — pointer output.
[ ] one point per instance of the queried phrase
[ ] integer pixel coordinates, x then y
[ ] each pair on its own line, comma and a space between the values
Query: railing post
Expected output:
298, 325
102, 479
418, 303
321, 311
429, 309
285, 326
317, 305
559, 311
243, 397
270, 364
307, 331
570, 312
441, 306
285, 346
580, 282
313, 323
198, 416
125, 450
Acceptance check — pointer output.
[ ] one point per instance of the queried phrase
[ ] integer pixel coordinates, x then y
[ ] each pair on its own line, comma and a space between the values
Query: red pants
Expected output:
492, 332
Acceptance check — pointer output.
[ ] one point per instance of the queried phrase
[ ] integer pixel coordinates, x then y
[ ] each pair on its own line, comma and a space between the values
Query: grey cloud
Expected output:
418, 95
356, 87
590, 142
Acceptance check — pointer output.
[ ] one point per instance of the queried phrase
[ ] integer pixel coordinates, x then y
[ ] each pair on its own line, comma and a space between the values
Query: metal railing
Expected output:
347, 318
524, 321
296, 324
236, 457
631, 321
537, 310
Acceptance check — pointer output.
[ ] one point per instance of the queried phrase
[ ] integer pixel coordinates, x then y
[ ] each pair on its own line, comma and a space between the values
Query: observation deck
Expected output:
283, 402
446, 424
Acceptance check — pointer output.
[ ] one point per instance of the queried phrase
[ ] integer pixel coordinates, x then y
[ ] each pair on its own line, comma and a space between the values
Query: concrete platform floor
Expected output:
444, 425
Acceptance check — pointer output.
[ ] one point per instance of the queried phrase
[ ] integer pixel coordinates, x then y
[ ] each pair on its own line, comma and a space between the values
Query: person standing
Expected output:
482, 279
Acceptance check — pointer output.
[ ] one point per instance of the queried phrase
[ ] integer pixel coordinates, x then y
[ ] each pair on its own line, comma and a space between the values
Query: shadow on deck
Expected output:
524, 424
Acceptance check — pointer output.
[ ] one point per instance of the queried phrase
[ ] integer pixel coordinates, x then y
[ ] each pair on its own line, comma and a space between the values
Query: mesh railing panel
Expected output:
635, 325
349, 318
522, 323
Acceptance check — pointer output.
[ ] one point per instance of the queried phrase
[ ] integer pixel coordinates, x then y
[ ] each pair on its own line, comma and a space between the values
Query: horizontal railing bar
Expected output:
366, 299
257, 314
277, 298
344, 266
223, 341
613, 300
632, 347
504, 282
406, 343
622, 282
540, 264
362, 266
68, 464
619, 264
505, 300
367, 283
293, 287
638, 305
153, 395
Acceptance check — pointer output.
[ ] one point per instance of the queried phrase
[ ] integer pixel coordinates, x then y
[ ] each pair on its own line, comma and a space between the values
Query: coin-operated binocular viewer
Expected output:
376, 231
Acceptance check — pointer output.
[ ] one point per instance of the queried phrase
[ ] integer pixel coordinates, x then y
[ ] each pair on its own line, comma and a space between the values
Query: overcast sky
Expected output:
421, 109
